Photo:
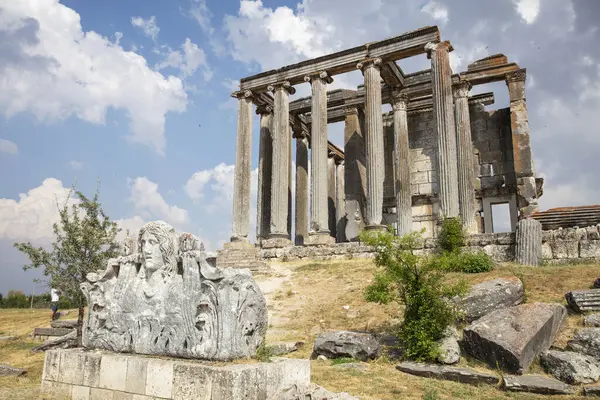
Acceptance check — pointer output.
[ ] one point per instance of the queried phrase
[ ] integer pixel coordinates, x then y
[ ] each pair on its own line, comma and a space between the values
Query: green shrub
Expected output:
452, 236
469, 263
431, 394
419, 285
263, 353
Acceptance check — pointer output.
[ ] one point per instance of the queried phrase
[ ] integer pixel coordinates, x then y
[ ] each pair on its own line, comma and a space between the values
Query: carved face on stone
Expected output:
153, 259
158, 247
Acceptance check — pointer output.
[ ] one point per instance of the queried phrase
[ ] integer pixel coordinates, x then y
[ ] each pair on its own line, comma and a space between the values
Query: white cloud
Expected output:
147, 25
55, 70
202, 15
187, 61
527, 9
129, 225
149, 203
76, 164
437, 11
8, 147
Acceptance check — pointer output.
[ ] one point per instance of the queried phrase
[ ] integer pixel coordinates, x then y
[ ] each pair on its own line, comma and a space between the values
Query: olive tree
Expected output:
85, 238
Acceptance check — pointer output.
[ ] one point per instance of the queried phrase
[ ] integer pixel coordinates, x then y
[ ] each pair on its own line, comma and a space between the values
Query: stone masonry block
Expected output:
419, 177
136, 375
101, 394
432, 176
72, 365
284, 373
141, 397
425, 188
546, 251
113, 371
589, 249
485, 170
159, 378
56, 390
91, 373
80, 393
122, 396
51, 365
592, 233
565, 249
424, 165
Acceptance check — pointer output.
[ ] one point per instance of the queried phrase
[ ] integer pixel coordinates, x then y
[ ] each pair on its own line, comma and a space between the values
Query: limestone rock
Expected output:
281, 348
7, 370
65, 323
570, 367
61, 342
449, 347
316, 392
489, 296
358, 345
168, 300
584, 300
529, 242
463, 375
586, 341
536, 384
513, 337
591, 391
592, 320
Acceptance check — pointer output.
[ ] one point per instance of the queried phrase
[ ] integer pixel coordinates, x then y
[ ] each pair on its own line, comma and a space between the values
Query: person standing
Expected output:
54, 298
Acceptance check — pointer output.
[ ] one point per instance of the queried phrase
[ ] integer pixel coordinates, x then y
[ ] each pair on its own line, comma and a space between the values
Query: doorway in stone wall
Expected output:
501, 218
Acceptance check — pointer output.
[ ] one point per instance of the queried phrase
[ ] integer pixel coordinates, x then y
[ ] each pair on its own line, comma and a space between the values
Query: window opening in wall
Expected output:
501, 218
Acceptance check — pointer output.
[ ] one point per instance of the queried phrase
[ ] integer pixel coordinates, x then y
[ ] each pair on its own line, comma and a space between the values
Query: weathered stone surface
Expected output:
317, 392
592, 320
449, 347
7, 338
570, 367
513, 337
491, 295
584, 300
586, 341
167, 300
463, 375
591, 391
7, 370
281, 348
536, 384
358, 345
529, 242
66, 323
51, 331
61, 342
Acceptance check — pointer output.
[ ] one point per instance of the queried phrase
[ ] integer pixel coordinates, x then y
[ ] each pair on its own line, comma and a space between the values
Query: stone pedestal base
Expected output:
320, 239
241, 254
376, 228
83, 375
276, 242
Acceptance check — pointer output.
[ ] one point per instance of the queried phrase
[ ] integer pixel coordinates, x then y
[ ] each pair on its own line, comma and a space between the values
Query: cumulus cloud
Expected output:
8, 147
187, 60
147, 25
437, 11
76, 164
54, 70
149, 203
527, 9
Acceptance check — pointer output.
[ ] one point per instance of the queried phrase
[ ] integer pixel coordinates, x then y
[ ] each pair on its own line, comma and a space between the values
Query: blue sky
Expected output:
137, 93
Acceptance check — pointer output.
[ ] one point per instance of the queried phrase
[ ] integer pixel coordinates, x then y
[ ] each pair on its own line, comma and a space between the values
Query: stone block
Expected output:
423, 165
124, 396
419, 178
565, 249
500, 253
101, 394
546, 251
80, 393
56, 390
485, 170
113, 372
72, 366
432, 176
137, 368
51, 365
536, 384
91, 373
426, 188
592, 233
462, 375
589, 249
489, 296
159, 378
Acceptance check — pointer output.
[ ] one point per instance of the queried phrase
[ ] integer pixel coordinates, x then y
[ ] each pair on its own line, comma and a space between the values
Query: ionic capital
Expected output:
364, 64
399, 100
433, 46
285, 85
264, 109
242, 94
461, 89
323, 75
517, 76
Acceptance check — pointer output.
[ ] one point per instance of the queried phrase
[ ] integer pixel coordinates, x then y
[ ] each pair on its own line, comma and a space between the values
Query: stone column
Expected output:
371, 69
443, 110
402, 164
290, 182
278, 233
319, 232
340, 209
243, 159
265, 165
331, 196
465, 158
301, 220
355, 174
523, 161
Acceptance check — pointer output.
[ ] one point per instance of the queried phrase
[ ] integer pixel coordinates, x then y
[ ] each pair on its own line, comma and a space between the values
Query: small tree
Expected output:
1, 300
419, 285
85, 240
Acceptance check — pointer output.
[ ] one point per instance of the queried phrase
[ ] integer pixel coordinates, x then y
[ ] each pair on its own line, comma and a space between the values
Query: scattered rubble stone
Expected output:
463, 375
584, 300
322, 358
339, 344
282, 348
7, 370
570, 367
591, 391
62, 342
586, 341
317, 392
449, 347
513, 337
592, 320
67, 323
536, 384
489, 296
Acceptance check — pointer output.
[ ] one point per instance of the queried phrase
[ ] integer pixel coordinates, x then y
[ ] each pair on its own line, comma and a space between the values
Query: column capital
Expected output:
264, 109
351, 110
286, 85
298, 132
323, 75
242, 94
369, 62
517, 76
461, 89
399, 100
433, 46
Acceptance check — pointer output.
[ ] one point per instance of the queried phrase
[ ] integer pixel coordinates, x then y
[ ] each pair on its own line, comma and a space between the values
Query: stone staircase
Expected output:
241, 255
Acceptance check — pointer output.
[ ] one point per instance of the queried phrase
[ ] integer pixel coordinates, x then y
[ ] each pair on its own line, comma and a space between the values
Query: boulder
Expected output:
462, 375
584, 300
586, 341
570, 367
449, 347
513, 337
536, 384
592, 320
282, 348
491, 295
358, 345
7, 370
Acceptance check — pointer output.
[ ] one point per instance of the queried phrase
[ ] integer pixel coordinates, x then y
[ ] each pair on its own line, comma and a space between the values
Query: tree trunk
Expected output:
80, 326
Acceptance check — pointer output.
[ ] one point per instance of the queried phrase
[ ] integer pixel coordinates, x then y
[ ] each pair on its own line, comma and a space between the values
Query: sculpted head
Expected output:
157, 244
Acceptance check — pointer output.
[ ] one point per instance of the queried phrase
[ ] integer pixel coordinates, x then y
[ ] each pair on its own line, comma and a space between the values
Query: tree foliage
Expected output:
85, 238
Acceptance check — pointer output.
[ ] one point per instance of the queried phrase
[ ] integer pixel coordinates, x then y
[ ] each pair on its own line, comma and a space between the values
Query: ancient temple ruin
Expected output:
438, 153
